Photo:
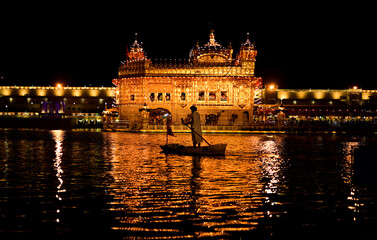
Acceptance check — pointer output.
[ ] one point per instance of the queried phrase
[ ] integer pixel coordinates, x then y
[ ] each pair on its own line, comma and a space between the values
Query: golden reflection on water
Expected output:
270, 165
267, 186
58, 137
217, 194
347, 174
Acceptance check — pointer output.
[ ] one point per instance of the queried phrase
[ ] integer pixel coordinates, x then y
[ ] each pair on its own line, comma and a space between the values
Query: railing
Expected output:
123, 124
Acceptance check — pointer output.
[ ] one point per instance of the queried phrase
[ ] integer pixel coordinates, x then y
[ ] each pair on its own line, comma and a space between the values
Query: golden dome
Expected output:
211, 52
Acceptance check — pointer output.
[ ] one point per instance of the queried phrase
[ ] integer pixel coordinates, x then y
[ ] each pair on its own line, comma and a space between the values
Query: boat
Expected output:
211, 150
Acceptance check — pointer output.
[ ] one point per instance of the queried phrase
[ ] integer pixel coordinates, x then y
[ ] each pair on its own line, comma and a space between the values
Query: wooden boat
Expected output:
212, 150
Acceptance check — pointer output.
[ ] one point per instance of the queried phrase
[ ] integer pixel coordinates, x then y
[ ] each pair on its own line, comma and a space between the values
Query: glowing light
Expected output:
23, 92
93, 93
319, 94
58, 136
59, 92
283, 95
58, 85
271, 87
354, 87
41, 92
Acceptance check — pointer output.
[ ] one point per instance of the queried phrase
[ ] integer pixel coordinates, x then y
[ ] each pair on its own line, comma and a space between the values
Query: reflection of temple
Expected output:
190, 196
222, 87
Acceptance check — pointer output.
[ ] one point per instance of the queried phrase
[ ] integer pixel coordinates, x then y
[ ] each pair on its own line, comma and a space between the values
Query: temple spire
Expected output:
212, 38
212, 42
247, 40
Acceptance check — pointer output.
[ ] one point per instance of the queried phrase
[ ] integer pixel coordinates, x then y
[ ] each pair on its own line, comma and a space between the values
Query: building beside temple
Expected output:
33, 106
223, 87
319, 103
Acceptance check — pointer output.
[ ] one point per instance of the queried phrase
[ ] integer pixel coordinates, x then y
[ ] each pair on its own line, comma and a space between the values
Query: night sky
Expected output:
299, 45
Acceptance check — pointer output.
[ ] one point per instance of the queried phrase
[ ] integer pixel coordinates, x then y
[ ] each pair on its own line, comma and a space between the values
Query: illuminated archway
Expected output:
159, 116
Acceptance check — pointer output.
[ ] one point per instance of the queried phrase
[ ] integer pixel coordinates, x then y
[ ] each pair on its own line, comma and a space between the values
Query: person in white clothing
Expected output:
196, 127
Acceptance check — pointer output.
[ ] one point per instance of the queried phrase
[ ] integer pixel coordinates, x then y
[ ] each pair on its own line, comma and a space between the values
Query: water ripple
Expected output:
90, 184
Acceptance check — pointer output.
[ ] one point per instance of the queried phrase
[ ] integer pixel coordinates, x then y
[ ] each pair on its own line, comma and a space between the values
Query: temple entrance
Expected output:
159, 116
212, 119
245, 117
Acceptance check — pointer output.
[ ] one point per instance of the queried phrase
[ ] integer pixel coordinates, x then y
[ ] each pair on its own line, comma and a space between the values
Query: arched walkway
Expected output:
159, 116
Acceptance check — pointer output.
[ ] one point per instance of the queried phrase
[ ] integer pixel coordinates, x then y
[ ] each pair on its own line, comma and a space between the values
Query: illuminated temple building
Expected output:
222, 87
218, 81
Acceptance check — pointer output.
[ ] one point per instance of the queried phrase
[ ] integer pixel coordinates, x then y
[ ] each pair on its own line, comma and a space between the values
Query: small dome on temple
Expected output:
247, 50
248, 44
136, 51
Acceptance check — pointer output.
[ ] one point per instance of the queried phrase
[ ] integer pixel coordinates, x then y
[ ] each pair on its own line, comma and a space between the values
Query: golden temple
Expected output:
222, 87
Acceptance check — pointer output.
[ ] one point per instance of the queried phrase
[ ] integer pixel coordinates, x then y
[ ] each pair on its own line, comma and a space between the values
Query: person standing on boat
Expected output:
196, 127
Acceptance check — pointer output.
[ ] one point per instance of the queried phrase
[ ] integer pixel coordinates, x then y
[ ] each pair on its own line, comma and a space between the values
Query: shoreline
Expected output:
261, 132
235, 132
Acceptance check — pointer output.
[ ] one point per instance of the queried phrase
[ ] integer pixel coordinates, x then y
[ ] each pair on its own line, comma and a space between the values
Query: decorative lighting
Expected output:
271, 87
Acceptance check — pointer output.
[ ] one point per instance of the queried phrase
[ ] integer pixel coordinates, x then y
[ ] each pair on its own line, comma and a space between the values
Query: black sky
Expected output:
299, 45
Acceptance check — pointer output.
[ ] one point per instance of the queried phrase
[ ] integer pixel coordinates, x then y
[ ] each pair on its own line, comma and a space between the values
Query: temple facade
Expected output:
221, 86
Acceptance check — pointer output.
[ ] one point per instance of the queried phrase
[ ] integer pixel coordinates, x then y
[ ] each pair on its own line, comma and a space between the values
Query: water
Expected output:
94, 185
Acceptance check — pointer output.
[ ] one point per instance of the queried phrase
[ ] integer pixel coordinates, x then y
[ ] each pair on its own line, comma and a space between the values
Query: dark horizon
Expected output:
318, 46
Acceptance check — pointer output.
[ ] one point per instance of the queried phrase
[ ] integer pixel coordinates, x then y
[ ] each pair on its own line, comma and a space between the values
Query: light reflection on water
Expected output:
120, 185
58, 137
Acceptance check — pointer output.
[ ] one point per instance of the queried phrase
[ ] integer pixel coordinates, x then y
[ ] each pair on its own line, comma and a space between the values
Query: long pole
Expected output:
197, 134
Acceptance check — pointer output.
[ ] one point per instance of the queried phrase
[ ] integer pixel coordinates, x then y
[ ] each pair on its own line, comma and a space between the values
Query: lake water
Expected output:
101, 185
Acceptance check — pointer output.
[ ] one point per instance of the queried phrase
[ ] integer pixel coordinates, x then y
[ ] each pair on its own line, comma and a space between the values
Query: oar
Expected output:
196, 133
